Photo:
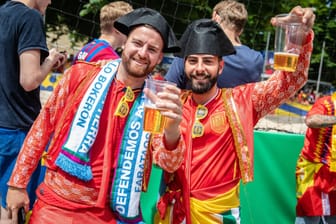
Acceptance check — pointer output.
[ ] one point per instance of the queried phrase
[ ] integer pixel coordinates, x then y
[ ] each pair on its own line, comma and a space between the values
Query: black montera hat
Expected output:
204, 36
142, 16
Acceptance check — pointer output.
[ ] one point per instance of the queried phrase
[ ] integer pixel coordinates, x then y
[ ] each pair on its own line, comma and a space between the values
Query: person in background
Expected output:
316, 165
218, 125
25, 62
110, 39
97, 158
245, 66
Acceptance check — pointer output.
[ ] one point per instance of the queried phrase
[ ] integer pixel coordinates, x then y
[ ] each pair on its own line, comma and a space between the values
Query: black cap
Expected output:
147, 16
204, 36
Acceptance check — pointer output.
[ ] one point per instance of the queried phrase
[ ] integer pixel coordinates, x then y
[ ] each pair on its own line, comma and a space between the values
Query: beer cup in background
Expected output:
154, 121
288, 42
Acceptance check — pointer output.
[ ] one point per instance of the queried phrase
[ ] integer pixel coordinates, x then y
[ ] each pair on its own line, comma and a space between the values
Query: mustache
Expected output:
195, 76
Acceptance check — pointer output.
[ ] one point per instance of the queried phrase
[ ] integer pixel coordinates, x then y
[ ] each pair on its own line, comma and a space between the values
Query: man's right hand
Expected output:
16, 198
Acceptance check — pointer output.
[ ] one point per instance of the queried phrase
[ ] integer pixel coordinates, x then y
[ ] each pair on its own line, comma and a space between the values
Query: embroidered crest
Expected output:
218, 122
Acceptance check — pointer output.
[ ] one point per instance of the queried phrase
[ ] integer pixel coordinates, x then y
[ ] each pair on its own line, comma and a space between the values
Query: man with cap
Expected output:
245, 66
217, 126
97, 157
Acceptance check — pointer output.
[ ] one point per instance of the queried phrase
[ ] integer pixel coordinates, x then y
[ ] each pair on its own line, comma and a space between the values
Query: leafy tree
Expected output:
80, 19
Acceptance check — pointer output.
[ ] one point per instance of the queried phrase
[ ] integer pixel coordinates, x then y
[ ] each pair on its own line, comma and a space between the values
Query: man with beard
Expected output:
218, 126
97, 157
245, 66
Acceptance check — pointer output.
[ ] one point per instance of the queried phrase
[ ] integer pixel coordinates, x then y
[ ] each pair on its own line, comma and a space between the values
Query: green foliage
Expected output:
324, 29
81, 18
93, 6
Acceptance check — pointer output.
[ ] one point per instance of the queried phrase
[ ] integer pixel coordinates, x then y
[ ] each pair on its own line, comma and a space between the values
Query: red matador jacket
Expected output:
207, 183
53, 124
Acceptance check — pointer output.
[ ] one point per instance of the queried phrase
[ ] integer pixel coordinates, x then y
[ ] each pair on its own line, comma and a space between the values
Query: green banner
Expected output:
270, 198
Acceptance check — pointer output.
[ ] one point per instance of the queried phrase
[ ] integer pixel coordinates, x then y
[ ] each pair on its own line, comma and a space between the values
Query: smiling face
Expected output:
142, 51
202, 71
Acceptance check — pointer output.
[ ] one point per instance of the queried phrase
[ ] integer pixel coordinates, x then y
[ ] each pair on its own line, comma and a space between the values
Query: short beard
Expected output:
204, 87
131, 71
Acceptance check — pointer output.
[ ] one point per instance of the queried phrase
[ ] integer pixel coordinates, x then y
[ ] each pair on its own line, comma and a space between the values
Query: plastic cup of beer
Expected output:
288, 42
154, 121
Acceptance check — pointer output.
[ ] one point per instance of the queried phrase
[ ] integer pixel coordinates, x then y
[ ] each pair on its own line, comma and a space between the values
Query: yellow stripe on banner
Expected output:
209, 211
285, 113
167, 219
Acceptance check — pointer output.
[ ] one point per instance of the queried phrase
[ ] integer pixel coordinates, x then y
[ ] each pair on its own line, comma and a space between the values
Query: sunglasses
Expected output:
198, 127
123, 108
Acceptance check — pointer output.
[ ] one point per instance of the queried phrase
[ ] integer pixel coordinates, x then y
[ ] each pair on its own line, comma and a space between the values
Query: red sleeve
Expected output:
319, 107
39, 135
169, 160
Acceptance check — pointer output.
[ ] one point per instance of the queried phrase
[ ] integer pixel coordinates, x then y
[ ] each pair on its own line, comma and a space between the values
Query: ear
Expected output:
116, 31
216, 17
221, 65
